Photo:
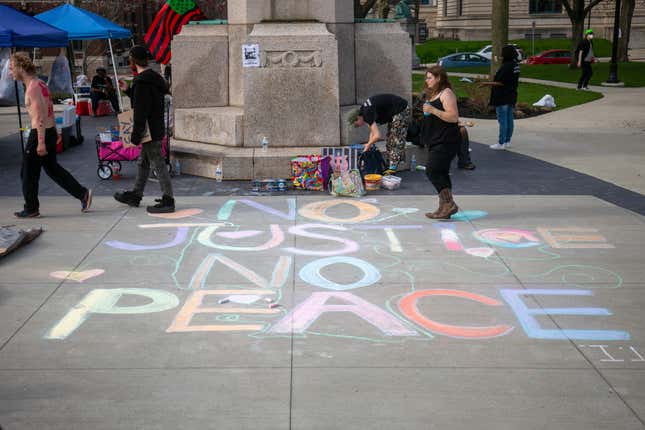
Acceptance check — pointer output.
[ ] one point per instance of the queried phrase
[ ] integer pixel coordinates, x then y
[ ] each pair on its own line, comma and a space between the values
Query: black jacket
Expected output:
147, 99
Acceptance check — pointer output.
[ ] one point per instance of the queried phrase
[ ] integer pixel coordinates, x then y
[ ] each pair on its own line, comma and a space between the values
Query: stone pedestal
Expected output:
313, 72
293, 98
200, 67
382, 60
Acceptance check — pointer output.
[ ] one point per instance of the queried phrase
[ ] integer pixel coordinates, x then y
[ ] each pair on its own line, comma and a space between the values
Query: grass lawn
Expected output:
527, 93
433, 49
632, 74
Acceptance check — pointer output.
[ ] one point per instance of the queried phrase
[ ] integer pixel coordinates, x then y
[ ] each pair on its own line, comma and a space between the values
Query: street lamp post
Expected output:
613, 67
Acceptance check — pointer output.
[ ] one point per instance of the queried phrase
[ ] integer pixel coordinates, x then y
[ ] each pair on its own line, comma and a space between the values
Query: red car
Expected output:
552, 56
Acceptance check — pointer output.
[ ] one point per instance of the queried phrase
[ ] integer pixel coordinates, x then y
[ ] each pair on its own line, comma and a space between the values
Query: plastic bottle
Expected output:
177, 167
426, 113
218, 172
413, 163
264, 144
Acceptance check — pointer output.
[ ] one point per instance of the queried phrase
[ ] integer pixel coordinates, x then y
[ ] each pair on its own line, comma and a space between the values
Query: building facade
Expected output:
471, 20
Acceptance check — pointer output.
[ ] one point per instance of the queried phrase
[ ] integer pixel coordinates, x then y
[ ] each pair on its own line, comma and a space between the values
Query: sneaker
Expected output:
585, 88
26, 214
128, 197
497, 146
469, 166
86, 201
165, 204
507, 145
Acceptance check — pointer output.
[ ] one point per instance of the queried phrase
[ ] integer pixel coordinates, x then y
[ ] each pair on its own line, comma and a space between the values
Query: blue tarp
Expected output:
5, 38
81, 24
28, 32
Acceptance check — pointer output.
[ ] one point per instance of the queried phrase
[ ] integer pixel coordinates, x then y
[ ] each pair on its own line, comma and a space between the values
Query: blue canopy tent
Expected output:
29, 32
5, 38
18, 29
81, 24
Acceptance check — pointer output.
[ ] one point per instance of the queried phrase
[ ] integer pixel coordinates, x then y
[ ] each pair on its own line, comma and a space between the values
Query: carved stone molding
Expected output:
291, 59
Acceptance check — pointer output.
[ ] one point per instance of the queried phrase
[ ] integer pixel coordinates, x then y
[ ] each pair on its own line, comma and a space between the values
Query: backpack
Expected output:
371, 162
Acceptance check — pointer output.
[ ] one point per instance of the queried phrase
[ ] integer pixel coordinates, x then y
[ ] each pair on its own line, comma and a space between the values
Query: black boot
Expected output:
165, 204
129, 198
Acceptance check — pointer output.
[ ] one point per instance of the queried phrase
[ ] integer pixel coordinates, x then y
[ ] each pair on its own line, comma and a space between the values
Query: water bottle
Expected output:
218, 172
264, 144
177, 167
413, 163
426, 113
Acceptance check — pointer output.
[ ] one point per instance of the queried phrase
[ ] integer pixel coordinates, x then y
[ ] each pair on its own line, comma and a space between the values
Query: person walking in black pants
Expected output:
40, 151
584, 59
147, 99
444, 138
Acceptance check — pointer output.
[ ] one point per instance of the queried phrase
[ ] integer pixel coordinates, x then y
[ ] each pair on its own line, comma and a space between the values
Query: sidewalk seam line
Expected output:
62, 282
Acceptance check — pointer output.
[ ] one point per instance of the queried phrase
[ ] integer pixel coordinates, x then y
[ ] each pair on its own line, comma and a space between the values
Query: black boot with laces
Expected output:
165, 204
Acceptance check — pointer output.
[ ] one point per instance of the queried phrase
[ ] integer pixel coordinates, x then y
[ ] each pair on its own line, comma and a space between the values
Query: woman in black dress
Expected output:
443, 138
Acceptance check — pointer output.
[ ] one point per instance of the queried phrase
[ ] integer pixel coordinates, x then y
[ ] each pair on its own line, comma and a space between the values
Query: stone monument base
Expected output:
202, 159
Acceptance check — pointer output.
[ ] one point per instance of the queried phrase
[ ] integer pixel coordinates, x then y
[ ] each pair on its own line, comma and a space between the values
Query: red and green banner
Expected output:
168, 22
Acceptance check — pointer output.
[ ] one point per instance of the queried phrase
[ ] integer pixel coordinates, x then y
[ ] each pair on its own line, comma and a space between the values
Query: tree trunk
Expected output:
577, 34
499, 35
577, 12
417, 11
626, 14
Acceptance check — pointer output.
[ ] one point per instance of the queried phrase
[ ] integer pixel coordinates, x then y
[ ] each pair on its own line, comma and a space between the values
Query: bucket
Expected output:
373, 182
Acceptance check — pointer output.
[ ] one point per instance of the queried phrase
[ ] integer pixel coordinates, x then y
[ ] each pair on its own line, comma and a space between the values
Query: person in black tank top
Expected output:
443, 138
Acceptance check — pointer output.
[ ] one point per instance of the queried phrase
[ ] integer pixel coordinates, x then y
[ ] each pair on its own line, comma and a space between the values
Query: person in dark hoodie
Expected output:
584, 57
503, 95
147, 99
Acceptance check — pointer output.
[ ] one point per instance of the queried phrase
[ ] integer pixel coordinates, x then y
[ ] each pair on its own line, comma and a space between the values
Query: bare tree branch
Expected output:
590, 6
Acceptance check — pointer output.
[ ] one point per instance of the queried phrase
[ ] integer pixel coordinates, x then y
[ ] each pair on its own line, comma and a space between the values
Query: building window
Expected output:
460, 7
545, 6
445, 7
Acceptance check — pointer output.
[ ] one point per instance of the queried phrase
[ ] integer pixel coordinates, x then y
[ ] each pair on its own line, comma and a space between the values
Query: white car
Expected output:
487, 51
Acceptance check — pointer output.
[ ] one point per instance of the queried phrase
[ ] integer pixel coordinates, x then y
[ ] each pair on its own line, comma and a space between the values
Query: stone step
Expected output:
202, 159
218, 125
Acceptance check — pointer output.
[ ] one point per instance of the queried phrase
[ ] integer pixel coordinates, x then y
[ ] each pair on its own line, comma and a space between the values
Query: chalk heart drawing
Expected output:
77, 276
184, 213
469, 215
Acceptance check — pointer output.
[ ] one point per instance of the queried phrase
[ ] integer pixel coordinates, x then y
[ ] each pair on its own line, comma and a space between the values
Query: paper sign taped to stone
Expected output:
251, 55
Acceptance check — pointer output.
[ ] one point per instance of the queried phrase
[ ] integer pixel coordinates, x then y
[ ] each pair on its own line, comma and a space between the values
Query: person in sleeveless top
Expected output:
40, 151
443, 138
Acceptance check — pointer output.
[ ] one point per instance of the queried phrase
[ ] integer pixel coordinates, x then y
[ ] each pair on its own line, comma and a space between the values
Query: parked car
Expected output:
487, 51
552, 56
463, 59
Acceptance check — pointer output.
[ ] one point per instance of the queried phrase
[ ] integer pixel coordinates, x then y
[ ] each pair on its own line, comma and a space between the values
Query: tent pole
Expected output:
71, 61
116, 76
22, 139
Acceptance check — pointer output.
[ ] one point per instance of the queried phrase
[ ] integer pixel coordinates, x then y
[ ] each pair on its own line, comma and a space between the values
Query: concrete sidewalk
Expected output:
525, 312
300, 311
603, 138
